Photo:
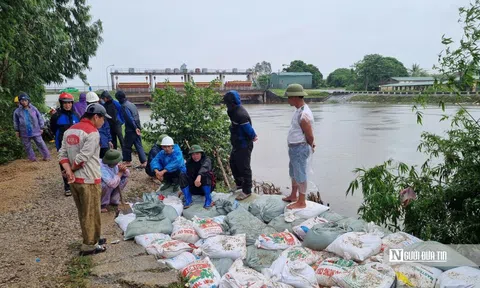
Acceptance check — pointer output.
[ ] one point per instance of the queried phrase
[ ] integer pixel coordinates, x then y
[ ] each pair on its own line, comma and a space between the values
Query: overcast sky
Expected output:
237, 34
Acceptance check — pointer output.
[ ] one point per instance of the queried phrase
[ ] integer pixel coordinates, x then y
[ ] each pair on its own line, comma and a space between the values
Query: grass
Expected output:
412, 99
312, 93
79, 269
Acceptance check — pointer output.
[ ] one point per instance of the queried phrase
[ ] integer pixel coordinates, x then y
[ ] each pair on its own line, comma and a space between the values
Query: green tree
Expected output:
263, 68
192, 116
263, 81
447, 204
417, 71
341, 77
375, 69
261, 74
300, 66
42, 42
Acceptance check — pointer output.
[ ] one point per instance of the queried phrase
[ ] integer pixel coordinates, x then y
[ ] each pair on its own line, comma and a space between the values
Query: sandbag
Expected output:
240, 221
201, 274
223, 246
302, 229
295, 273
453, 258
197, 210
277, 241
303, 254
141, 225
372, 275
206, 227
321, 235
169, 248
331, 216
267, 207
398, 240
325, 270
222, 265
279, 223
181, 261
312, 209
352, 224
239, 276
145, 239
244, 203
461, 277
355, 245
416, 275
174, 202
124, 220
223, 206
259, 259
183, 230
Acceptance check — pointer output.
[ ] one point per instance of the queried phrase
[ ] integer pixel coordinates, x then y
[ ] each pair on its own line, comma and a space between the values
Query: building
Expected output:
407, 83
282, 79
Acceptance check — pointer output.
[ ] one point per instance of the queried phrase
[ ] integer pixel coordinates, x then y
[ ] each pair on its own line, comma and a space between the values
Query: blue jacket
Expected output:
241, 130
119, 112
172, 162
105, 135
60, 122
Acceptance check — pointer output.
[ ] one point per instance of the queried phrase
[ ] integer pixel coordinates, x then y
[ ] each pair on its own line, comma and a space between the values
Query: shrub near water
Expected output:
194, 116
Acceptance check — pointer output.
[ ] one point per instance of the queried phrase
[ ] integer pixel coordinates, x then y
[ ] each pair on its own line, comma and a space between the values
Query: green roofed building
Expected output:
407, 83
282, 79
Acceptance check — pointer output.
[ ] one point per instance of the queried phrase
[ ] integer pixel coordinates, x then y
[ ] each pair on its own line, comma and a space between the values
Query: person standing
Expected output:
301, 143
132, 131
105, 135
242, 136
63, 119
81, 105
28, 125
114, 109
78, 155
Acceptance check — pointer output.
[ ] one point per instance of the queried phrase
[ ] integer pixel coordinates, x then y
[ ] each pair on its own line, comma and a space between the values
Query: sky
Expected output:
214, 34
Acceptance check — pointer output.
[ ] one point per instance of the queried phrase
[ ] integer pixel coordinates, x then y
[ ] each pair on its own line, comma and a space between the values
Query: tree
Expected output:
300, 66
263, 68
261, 75
192, 116
43, 42
263, 82
417, 71
341, 77
447, 203
375, 69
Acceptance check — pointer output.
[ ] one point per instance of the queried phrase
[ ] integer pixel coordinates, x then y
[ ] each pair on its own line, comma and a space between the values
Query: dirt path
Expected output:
40, 232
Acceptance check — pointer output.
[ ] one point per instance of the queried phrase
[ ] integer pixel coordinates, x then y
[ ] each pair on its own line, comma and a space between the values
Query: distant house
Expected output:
282, 79
407, 83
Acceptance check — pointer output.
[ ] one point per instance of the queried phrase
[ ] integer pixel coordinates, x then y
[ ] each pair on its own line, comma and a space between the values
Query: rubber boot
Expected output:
208, 196
187, 196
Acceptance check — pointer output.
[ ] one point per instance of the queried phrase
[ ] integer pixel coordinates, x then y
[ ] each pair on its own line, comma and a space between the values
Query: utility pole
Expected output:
106, 73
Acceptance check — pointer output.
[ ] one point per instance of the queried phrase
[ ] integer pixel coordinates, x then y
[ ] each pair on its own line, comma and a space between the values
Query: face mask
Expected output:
102, 102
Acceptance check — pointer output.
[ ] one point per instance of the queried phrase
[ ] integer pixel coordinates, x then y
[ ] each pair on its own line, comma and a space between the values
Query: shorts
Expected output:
298, 155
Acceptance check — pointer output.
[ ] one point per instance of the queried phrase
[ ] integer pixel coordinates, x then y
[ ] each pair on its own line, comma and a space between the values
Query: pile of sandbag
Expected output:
260, 243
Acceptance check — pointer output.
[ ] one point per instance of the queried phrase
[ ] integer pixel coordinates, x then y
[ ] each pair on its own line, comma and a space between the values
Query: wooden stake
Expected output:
225, 178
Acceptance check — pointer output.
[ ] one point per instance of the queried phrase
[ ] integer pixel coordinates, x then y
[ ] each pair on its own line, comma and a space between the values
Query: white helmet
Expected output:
92, 97
167, 141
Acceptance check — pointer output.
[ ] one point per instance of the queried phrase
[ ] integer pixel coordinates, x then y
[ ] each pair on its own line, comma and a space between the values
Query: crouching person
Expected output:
169, 164
114, 178
198, 178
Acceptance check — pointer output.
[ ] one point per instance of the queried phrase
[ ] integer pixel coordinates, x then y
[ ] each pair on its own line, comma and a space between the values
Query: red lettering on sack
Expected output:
73, 139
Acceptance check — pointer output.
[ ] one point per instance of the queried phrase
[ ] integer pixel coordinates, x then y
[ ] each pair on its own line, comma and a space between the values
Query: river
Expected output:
347, 136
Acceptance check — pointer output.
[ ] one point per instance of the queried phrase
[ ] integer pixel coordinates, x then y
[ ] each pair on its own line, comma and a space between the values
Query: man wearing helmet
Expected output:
105, 135
28, 125
63, 119
169, 163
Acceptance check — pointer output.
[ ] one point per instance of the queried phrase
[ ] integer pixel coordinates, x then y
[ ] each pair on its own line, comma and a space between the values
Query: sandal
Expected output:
289, 200
68, 193
98, 249
102, 241
104, 210
243, 196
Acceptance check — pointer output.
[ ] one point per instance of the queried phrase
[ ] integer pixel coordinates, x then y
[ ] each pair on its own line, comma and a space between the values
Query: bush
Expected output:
194, 117
10, 146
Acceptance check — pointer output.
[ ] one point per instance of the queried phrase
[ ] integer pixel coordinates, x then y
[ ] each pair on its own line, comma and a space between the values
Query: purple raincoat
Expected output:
28, 121
81, 105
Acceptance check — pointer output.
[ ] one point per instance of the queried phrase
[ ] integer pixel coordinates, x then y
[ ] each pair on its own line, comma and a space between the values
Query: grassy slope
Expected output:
412, 99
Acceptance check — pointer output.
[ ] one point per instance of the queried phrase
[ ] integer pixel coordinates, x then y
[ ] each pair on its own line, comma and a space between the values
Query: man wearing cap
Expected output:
301, 143
29, 124
169, 163
79, 156
132, 131
198, 178
156, 148
242, 136
114, 178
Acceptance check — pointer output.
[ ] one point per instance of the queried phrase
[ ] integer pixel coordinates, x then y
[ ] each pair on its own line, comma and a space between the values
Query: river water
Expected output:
347, 136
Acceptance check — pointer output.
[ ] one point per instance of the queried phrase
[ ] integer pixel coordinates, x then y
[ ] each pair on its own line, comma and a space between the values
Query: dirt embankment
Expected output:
39, 227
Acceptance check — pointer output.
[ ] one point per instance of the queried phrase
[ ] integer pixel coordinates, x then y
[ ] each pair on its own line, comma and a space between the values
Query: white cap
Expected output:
167, 141
92, 97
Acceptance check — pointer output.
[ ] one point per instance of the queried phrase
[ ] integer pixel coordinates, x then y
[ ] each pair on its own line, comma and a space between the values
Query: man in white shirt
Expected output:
301, 143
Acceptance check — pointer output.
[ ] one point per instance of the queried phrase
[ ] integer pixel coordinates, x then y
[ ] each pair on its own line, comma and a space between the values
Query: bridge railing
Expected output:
179, 71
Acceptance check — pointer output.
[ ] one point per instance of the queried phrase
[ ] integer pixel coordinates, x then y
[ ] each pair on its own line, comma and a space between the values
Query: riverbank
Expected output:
411, 99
